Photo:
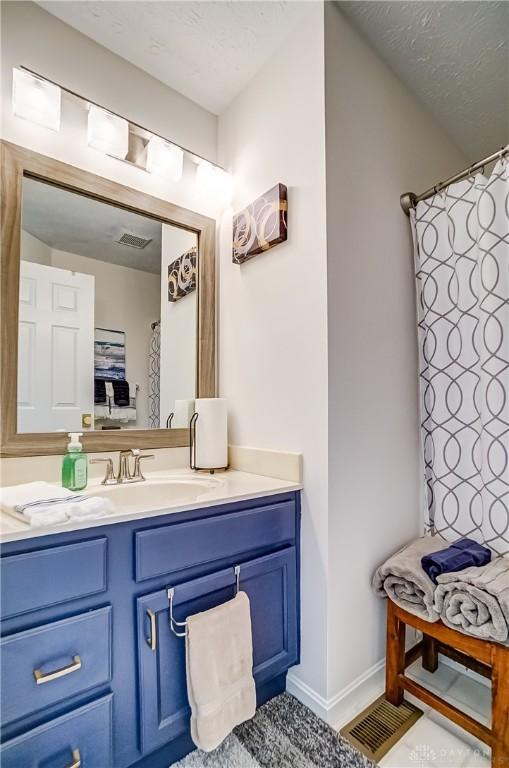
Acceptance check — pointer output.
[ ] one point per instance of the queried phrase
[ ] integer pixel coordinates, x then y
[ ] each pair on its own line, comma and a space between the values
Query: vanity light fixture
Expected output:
35, 99
214, 181
38, 99
164, 159
107, 132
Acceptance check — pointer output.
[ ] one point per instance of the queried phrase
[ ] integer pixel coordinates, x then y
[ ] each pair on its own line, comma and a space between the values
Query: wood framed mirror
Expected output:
46, 207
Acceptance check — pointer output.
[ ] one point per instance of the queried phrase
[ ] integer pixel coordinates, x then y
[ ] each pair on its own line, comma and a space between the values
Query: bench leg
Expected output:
395, 656
429, 653
500, 708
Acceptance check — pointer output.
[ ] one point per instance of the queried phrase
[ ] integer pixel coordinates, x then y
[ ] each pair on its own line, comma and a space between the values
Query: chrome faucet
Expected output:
124, 467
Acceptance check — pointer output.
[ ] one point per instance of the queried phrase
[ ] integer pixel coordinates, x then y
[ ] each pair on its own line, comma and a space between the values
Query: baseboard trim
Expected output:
342, 707
357, 695
347, 703
307, 696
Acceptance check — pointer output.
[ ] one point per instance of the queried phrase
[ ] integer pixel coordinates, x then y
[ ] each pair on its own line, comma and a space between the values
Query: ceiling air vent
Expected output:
133, 240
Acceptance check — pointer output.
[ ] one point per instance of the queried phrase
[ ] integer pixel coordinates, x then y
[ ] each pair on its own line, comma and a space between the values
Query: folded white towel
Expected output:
219, 667
44, 516
92, 506
125, 413
41, 503
102, 411
20, 495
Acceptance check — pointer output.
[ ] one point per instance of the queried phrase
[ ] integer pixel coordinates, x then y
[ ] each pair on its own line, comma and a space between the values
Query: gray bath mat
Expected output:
283, 734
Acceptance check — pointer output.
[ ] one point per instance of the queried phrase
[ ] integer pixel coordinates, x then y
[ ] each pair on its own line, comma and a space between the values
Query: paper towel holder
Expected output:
192, 449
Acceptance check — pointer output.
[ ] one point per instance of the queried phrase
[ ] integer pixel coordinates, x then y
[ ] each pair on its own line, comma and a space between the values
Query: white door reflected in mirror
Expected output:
107, 315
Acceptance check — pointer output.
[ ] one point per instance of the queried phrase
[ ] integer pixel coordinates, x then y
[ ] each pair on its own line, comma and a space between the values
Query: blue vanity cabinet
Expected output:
271, 585
91, 672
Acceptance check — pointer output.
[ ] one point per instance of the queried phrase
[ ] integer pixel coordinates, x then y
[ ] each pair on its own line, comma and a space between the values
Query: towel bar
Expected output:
171, 594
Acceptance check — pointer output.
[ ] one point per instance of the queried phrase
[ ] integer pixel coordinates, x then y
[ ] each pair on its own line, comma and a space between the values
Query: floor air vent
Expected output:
133, 240
380, 726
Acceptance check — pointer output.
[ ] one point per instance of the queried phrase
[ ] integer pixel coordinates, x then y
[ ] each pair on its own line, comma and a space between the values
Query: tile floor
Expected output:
435, 742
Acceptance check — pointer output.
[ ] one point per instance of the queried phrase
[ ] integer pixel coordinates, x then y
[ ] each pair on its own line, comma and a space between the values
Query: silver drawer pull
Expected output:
152, 638
76, 759
46, 677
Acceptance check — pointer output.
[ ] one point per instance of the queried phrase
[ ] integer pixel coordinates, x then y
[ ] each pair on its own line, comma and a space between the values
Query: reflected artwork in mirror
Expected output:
101, 346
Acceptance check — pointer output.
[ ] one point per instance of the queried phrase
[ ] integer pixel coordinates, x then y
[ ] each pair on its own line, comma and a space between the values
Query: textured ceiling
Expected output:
207, 51
70, 222
454, 56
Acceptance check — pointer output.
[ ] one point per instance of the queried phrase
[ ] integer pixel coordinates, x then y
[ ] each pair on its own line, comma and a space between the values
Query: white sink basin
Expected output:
156, 493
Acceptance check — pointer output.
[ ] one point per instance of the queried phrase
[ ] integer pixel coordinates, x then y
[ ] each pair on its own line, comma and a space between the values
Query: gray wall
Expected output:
379, 142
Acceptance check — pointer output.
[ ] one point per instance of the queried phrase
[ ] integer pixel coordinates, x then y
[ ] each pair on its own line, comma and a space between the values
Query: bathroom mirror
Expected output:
107, 315
107, 311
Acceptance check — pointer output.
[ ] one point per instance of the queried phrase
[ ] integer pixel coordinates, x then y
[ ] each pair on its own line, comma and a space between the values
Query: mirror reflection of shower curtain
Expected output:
461, 240
153, 376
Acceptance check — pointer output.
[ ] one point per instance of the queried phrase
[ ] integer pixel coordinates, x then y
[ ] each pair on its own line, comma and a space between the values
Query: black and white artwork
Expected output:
182, 275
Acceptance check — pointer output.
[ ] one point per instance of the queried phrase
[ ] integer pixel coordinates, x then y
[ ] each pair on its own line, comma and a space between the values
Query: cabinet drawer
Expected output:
82, 735
48, 664
177, 546
45, 577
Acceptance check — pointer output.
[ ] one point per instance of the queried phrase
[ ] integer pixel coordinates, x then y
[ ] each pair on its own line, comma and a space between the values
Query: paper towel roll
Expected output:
211, 433
182, 413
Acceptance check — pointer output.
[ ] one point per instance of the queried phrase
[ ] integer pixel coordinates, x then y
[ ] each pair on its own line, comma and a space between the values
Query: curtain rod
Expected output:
408, 200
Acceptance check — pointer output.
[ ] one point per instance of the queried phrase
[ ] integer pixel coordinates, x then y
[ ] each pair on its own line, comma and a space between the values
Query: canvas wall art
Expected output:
261, 225
109, 354
182, 275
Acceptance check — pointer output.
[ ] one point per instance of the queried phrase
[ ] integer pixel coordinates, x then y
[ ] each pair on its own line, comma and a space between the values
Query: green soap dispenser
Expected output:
75, 464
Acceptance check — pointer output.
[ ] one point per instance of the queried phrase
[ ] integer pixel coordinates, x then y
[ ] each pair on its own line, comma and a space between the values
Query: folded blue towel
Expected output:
462, 554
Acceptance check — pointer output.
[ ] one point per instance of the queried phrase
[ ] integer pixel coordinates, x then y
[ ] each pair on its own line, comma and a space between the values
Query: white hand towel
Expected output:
219, 667
93, 506
41, 504
133, 389
123, 414
38, 517
109, 389
102, 411
18, 495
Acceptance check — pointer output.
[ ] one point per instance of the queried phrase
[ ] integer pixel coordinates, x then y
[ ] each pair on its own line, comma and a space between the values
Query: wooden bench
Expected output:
487, 658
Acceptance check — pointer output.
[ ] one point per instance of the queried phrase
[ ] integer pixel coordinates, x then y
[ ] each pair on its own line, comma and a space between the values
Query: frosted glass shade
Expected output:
108, 133
35, 99
164, 159
214, 181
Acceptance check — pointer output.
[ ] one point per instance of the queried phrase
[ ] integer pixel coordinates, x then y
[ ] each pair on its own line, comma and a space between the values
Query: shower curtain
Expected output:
461, 239
153, 377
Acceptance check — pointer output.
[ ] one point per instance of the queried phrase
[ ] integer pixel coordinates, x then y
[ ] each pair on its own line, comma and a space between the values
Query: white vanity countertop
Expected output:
163, 493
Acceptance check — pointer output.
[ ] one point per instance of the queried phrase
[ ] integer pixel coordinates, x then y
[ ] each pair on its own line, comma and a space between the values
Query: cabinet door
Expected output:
271, 584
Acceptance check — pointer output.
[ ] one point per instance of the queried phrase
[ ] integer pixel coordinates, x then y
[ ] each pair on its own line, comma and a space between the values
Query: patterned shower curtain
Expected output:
461, 238
153, 377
